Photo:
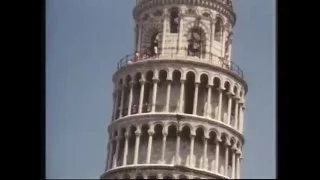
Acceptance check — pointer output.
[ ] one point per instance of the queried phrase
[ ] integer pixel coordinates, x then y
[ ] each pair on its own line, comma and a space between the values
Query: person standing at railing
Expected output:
136, 57
134, 109
155, 47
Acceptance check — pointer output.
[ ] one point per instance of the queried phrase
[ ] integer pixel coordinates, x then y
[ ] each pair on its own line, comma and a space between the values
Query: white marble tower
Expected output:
179, 100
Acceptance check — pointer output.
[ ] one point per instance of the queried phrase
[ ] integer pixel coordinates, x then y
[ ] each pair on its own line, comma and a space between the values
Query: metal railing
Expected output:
183, 54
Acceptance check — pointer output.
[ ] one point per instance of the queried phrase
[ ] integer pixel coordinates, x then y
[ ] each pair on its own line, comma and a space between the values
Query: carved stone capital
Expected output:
137, 133
142, 81
151, 132
155, 80
131, 84
126, 135
118, 138
218, 140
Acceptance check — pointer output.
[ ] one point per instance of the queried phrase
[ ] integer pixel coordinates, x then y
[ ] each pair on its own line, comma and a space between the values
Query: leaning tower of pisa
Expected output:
178, 98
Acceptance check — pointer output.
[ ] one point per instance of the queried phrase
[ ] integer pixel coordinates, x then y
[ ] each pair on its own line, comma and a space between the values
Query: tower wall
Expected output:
179, 100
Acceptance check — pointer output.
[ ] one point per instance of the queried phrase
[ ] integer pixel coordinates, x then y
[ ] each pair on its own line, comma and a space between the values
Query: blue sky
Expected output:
84, 41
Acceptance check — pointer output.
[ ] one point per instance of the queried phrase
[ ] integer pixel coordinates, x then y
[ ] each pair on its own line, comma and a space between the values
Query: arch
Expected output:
122, 131
156, 151
191, 12
215, 131
145, 17
199, 146
186, 125
115, 133
225, 137
156, 123
233, 140
149, 75
158, 127
200, 25
143, 145
128, 79
218, 28
241, 93
166, 69
171, 124
176, 75
174, 19
158, 13
120, 82
206, 14
235, 89
191, 74
152, 33
137, 77
189, 93
131, 142
227, 85
217, 81
200, 127
185, 141
197, 41
189, 71
171, 130
204, 77
163, 74
239, 144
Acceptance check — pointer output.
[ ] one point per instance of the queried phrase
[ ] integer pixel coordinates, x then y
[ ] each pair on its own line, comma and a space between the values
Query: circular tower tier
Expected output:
179, 99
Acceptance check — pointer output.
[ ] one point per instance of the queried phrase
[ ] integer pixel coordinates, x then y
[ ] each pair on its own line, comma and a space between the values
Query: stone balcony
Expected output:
183, 55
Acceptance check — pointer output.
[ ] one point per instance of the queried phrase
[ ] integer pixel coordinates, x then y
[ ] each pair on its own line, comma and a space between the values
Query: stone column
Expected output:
114, 164
116, 104
236, 124
136, 149
241, 122
154, 94
182, 95
164, 141
150, 132
220, 104
205, 152
130, 98
209, 107
110, 153
239, 165
229, 108
226, 161
141, 96
195, 99
122, 100
168, 95
178, 148
233, 164
217, 156
125, 153
191, 150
